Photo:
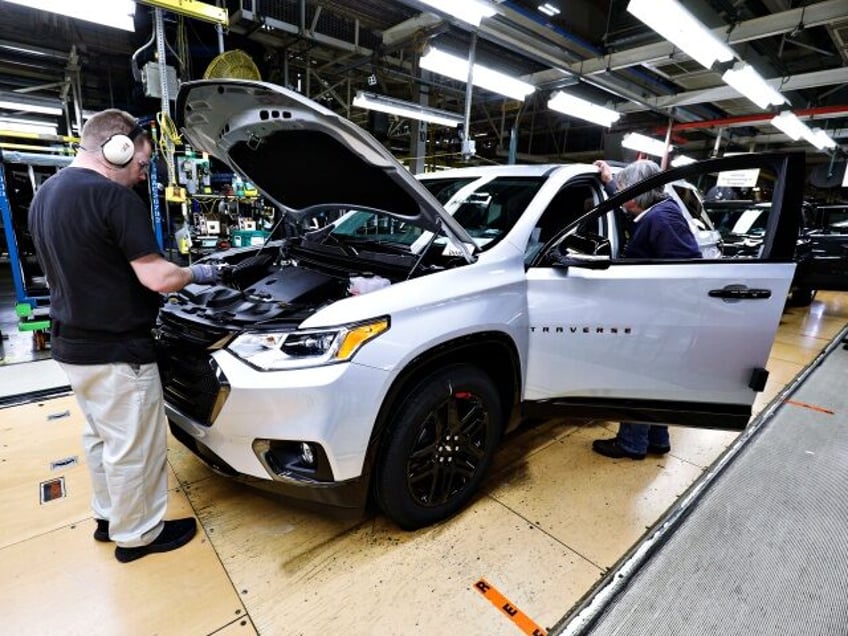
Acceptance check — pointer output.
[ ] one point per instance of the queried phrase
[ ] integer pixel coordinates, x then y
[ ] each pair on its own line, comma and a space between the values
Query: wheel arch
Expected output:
495, 353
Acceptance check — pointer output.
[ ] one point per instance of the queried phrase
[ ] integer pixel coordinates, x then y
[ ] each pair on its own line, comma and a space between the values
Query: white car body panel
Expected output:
292, 405
593, 335
624, 333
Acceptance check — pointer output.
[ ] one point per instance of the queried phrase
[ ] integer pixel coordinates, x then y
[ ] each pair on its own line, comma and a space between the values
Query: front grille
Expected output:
191, 381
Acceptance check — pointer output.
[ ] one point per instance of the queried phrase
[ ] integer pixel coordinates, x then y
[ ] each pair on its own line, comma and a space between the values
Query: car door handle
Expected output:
740, 292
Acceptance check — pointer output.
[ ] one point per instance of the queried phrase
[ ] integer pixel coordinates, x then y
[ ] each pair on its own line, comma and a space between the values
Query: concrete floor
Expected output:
553, 518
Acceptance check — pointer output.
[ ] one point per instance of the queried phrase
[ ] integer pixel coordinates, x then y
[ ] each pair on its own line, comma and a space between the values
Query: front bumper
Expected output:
347, 497
332, 408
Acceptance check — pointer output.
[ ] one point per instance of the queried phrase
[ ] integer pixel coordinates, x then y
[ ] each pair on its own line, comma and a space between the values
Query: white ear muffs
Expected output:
119, 149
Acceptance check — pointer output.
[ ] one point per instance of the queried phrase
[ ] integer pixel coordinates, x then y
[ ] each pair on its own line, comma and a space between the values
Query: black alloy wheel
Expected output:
440, 447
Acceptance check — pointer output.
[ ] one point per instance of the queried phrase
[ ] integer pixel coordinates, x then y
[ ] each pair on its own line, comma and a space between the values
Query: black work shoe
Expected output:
102, 532
175, 534
611, 448
656, 449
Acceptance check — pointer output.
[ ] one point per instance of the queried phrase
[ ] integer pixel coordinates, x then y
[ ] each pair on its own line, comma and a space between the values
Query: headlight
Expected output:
274, 351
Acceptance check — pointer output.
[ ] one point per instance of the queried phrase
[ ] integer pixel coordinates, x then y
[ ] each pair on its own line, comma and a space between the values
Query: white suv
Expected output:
382, 356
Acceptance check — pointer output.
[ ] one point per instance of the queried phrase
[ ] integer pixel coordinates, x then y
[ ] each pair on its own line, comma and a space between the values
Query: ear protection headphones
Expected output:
119, 149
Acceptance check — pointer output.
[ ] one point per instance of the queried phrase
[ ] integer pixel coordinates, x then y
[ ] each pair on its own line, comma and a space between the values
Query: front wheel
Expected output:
439, 447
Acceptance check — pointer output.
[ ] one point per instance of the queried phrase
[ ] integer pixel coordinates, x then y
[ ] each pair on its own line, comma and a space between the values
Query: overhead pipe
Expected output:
468, 149
826, 112
664, 162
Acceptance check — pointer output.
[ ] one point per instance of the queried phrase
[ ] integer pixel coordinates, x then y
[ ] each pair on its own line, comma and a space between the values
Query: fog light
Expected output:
293, 460
306, 455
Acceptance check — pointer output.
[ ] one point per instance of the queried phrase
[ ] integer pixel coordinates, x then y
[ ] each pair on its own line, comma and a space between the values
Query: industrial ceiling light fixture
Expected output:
23, 102
749, 83
642, 143
820, 139
117, 14
457, 68
372, 101
22, 125
574, 106
672, 21
789, 124
681, 160
470, 11
548, 9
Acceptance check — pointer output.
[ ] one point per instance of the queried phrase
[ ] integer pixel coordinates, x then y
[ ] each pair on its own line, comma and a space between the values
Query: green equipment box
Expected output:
245, 238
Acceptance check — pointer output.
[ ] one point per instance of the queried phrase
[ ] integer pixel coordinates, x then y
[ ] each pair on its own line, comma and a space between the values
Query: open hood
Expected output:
300, 154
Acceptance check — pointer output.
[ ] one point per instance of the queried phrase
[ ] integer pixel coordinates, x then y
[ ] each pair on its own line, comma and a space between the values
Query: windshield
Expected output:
738, 221
834, 219
487, 208
444, 189
376, 227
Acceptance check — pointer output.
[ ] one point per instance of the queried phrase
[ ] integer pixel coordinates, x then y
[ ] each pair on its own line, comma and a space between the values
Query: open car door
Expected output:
665, 341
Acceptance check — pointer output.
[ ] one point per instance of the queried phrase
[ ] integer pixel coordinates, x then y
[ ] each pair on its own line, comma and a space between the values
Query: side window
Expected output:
760, 231
690, 199
569, 204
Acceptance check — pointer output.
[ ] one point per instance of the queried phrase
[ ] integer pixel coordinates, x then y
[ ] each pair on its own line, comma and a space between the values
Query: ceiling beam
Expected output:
818, 14
261, 28
193, 9
724, 92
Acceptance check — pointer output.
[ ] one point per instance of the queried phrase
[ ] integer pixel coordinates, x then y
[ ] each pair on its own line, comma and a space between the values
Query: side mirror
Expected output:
589, 252
586, 261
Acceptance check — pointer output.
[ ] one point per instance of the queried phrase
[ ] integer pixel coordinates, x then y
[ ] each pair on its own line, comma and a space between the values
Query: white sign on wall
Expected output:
738, 178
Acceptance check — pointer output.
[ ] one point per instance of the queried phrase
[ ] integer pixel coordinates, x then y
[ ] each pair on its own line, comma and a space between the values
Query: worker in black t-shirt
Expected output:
95, 242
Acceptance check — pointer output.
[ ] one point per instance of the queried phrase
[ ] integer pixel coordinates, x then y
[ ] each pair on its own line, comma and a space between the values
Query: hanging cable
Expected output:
169, 130
183, 47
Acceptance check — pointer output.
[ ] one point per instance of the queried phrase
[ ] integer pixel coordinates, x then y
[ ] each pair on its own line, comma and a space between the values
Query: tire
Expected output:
439, 447
801, 297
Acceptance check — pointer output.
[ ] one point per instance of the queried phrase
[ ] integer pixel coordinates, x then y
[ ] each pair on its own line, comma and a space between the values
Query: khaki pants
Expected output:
125, 443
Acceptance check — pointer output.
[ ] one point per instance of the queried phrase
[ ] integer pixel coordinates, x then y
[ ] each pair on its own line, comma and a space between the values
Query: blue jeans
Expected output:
634, 437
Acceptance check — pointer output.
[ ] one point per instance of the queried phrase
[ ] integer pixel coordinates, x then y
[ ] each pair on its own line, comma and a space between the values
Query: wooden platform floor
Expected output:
553, 518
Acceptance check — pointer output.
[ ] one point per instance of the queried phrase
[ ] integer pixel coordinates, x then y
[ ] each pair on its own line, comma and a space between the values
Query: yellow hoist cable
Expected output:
169, 138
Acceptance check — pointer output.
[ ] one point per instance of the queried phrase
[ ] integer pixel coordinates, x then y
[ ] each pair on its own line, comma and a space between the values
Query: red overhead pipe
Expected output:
742, 120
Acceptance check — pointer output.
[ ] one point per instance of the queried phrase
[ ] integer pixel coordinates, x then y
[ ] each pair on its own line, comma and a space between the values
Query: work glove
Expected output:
206, 274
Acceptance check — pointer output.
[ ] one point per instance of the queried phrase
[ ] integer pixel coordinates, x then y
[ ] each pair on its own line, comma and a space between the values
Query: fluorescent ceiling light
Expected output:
401, 108
641, 143
795, 129
114, 13
35, 51
27, 126
678, 26
681, 160
790, 125
484, 77
30, 108
548, 9
584, 109
820, 139
470, 11
10, 100
749, 83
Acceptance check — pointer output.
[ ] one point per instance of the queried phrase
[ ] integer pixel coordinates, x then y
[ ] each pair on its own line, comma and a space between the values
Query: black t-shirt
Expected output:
86, 230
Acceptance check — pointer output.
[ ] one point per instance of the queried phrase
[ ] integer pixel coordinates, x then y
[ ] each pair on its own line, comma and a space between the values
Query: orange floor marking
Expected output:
812, 407
521, 620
